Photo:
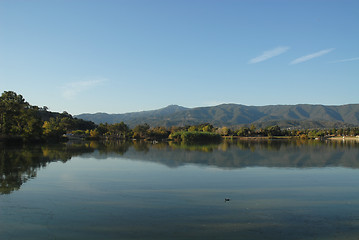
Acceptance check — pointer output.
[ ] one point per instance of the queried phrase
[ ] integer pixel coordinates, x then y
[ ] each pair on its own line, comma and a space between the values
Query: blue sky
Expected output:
130, 55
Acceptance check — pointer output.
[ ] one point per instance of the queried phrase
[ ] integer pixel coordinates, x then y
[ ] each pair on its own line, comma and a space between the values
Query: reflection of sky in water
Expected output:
118, 198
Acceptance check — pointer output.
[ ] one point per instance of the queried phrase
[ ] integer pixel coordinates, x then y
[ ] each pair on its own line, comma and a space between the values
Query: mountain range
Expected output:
234, 115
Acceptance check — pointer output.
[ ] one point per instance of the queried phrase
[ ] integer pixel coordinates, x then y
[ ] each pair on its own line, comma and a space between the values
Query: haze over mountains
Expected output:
231, 115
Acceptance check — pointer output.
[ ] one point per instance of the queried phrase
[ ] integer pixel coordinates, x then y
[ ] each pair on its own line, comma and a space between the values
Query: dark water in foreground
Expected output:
278, 190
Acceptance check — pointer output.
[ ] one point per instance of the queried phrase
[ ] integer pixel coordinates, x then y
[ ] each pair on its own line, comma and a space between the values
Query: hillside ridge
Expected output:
230, 114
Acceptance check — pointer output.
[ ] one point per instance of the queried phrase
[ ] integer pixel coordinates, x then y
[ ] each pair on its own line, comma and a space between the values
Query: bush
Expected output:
176, 136
200, 137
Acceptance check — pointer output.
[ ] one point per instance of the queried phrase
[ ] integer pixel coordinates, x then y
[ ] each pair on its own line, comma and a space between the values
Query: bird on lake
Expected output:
227, 199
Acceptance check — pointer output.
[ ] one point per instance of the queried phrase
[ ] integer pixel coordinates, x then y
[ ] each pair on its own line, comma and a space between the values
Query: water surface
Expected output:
277, 190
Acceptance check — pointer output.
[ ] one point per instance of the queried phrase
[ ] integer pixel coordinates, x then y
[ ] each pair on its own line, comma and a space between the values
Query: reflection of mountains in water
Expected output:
251, 154
18, 164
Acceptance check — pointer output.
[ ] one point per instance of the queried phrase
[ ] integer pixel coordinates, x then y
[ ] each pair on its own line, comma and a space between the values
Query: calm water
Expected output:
277, 190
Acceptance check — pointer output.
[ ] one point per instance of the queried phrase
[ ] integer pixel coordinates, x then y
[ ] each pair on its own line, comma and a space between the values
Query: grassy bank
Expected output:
344, 138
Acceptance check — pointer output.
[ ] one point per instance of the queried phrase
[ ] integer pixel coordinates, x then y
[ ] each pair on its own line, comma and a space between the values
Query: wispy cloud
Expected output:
346, 60
311, 56
71, 90
213, 103
269, 54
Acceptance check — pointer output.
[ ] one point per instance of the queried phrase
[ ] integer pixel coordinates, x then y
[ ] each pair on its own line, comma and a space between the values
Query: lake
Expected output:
124, 190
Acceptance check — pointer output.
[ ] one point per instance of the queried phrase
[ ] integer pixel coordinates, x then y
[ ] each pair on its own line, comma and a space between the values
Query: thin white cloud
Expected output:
346, 60
269, 54
213, 103
311, 56
71, 90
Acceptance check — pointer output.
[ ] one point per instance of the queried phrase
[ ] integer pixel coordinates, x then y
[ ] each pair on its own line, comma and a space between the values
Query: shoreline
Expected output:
258, 137
345, 138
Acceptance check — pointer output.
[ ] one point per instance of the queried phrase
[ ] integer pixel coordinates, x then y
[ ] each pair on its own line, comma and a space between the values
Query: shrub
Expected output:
200, 137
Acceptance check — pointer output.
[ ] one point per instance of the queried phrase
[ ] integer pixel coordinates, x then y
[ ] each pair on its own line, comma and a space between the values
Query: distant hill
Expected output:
299, 116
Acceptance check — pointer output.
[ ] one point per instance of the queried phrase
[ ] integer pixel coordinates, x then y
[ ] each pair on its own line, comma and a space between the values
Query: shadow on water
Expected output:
20, 163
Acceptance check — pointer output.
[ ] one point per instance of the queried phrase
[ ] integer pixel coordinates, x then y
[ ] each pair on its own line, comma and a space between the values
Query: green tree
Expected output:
52, 129
158, 133
18, 118
243, 132
102, 129
140, 131
252, 129
224, 131
207, 128
273, 131
192, 129
118, 130
11, 108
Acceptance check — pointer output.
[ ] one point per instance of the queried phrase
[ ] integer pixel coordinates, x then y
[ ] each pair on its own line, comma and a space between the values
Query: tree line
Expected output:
20, 120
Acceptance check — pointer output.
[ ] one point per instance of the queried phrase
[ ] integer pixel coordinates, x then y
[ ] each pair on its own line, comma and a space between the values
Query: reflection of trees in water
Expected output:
105, 147
194, 147
141, 146
18, 164
271, 153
